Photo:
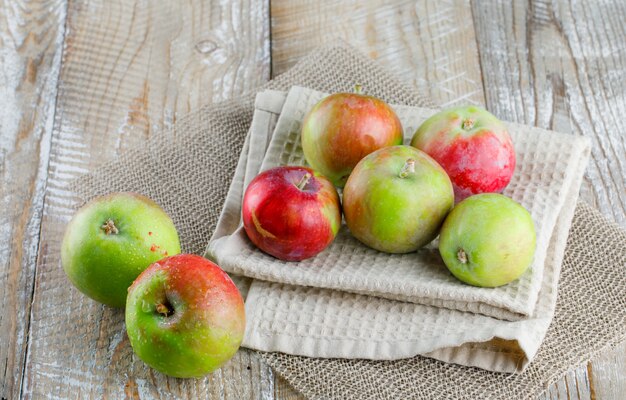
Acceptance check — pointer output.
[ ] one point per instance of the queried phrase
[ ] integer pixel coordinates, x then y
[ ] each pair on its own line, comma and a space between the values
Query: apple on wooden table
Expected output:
343, 128
291, 213
184, 316
111, 240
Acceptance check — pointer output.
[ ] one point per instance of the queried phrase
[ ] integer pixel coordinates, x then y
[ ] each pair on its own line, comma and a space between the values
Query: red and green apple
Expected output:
343, 128
472, 145
396, 199
184, 316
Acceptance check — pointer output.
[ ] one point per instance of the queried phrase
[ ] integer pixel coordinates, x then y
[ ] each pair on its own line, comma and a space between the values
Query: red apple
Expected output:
345, 127
472, 145
291, 213
184, 316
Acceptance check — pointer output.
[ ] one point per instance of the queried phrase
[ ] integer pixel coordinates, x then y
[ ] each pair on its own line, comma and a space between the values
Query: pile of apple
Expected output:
184, 315
397, 198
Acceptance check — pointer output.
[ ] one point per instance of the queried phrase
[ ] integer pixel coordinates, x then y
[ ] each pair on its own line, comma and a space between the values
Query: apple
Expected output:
184, 316
396, 199
472, 145
291, 213
345, 127
111, 240
488, 240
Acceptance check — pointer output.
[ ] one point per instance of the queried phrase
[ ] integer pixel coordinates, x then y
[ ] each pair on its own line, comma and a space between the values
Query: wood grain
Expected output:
129, 69
31, 37
562, 65
429, 44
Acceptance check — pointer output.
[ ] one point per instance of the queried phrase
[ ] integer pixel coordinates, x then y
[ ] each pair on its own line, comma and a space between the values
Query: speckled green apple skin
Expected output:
394, 214
497, 236
207, 320
343, 128
102, 265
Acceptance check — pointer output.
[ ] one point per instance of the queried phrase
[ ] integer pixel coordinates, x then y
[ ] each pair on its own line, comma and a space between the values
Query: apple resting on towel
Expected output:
488, 240
396, 199
472, 145
291, 213
345, 127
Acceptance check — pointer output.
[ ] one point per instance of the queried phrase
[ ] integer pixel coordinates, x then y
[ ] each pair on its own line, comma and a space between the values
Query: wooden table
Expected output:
82, 81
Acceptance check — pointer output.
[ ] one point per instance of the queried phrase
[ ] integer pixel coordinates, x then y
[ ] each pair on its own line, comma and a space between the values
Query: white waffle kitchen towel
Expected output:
293, 311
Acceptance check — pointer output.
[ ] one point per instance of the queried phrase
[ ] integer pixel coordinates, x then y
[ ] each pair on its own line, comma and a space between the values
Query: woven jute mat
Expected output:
188, 169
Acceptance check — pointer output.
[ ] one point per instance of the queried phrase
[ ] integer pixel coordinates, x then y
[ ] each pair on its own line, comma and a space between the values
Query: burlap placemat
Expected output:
187, 171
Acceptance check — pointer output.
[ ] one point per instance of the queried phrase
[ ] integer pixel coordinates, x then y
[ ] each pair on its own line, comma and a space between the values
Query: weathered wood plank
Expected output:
129, 68
562, 65
606, 374
31, 37
429, 44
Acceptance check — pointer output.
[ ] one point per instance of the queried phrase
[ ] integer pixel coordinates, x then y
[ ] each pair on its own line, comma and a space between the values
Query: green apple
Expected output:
488, 240
111, 240
396, 199
184, 316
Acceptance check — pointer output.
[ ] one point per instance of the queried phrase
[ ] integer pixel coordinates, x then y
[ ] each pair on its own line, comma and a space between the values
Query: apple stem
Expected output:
110, 228
409, 168
303, 181
358, 89
461, 256
164, 309
468, 124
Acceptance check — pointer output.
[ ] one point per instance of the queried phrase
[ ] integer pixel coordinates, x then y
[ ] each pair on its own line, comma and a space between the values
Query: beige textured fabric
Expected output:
549, 163
326, 323
589, 317
187, 170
